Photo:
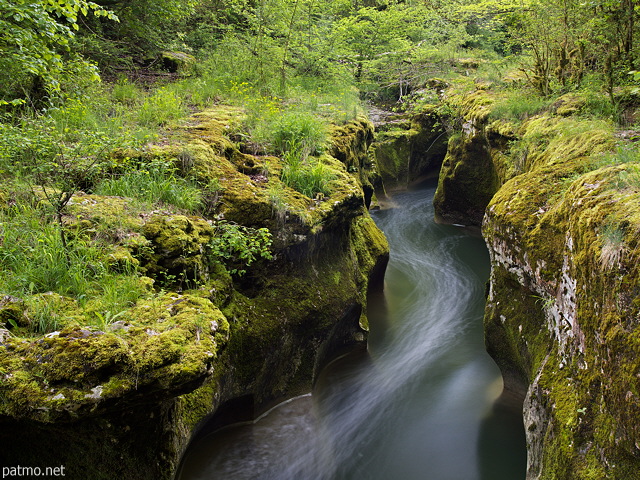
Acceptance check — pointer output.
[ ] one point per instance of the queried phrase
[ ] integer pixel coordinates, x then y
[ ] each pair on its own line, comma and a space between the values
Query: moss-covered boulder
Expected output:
562, 315
178, 246
161, 346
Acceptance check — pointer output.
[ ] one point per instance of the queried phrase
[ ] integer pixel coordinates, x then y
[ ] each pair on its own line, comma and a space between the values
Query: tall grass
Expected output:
34, 261
301, 132
160, 108
518, 105
152, 186
305, 174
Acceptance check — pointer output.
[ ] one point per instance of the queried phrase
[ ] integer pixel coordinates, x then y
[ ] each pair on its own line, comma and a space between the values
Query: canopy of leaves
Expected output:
35, 39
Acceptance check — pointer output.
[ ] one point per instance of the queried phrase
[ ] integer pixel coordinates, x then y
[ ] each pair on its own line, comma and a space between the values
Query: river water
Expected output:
422, 404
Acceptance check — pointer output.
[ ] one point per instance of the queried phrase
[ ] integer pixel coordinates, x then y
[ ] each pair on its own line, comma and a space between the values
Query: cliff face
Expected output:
561, 320
407, 147
124, 401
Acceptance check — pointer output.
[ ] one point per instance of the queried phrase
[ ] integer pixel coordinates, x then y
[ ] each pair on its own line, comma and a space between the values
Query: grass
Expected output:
518, 105
308, 176
277, 199
301, 132
34, 263
155, 185
613, 246
161, 108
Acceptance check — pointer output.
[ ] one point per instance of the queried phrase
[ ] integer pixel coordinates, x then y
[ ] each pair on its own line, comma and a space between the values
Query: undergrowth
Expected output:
152, 183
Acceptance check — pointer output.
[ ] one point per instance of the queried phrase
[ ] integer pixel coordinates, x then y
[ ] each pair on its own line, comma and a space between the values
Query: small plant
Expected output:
544, 302
613, 246
237, 246
126, 93
276, 196
105, 319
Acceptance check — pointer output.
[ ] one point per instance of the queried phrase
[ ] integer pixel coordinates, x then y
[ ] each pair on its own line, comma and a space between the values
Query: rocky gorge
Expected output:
559, 213
124, 401
558, 206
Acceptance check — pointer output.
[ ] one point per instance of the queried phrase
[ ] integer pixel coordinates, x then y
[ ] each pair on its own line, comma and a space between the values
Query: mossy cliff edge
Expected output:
407, 147
560, 213
123, 401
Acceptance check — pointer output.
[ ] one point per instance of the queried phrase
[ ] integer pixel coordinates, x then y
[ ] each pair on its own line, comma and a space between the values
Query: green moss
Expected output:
569, 104
12, 312
96, 215
407, 150
153, 370
178, 246
168, 342
467, 182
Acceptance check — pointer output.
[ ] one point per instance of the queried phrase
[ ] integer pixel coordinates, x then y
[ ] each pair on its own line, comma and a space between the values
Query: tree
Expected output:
35, 39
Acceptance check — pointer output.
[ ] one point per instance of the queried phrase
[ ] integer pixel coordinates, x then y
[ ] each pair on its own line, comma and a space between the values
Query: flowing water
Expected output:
422, 404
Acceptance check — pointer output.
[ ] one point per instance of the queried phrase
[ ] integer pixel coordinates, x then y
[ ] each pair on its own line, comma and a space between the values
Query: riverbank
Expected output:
556, 193
124, 397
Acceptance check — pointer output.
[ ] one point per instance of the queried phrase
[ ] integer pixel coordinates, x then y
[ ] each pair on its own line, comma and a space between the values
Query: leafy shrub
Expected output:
237, 246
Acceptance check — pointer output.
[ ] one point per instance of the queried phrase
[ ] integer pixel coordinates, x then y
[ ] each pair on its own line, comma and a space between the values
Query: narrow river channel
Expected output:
421, 404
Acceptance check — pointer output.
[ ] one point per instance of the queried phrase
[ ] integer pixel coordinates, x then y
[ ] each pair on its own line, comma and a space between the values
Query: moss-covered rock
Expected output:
122, 397
467, 180
408, 148
561, 225
178, 246
167, 345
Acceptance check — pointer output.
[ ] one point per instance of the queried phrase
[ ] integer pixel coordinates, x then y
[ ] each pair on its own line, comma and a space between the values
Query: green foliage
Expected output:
153, 183
34, 260
569, 40
160, 108
300, 131
519, 105
35, 41
307, 175
237, 247
613, 246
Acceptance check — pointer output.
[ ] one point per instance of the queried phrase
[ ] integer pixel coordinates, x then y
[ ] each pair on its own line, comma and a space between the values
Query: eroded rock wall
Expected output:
561, 224
408, 147
124, 402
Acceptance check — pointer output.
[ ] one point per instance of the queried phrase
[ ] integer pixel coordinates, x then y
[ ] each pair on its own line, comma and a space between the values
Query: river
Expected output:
422, 404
